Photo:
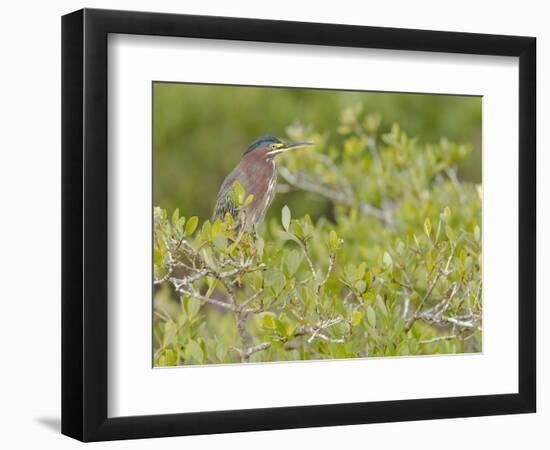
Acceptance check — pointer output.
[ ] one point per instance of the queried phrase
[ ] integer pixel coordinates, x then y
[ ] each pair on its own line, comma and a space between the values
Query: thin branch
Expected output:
423, 300
166, 276
301, 182
211, 301
315, 277
252, 298
334, 169
258, 348
325, 338
460, 323
439, 308
317, 332
332, 260
438, 339
406, 306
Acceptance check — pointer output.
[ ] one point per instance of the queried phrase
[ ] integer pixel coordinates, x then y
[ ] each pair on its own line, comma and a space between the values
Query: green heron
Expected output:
257, 174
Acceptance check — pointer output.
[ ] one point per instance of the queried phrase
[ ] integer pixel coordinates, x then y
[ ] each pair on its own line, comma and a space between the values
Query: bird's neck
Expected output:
259, 161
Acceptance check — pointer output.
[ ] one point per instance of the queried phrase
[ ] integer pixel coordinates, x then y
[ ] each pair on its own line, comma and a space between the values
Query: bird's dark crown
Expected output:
262, 142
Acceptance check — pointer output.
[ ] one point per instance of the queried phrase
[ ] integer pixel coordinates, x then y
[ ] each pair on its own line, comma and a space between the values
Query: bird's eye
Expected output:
274, 146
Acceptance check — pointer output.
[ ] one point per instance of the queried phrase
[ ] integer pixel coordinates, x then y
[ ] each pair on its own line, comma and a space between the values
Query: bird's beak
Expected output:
289, 146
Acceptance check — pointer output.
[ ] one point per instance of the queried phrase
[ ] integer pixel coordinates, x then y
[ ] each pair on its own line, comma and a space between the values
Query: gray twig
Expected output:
302, 182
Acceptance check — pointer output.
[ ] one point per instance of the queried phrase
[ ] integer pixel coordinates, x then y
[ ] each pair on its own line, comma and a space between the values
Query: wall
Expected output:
30, 187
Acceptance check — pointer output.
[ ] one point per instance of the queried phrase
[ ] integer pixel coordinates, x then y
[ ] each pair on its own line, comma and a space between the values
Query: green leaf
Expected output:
157, 215
447, 214
400, 247
427, 227
307, 226
381, 305
395, 129
260, 244
170, 359
344, 129
268, 322
296, 229
203, 348
194, 350
368, 296
371, 316
180, 223
361, 269
191, 225
281, 328
175, 216
239, 192
450, 233
351, 272
211, 282
157, 257
217, 227
275, 279
220, 241
193, 307
356, 318
387, 260
430, 259
477, 233
288, 237
285, 217
169, 334
206, 231
333, 239
292, 261
221, 352
360, 286
248, 200
229, 220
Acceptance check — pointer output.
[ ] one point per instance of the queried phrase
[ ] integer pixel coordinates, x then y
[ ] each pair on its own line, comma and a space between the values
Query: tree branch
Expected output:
301, 182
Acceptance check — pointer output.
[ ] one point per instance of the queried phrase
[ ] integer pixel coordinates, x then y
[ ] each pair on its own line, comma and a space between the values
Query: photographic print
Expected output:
340, 228
296, 224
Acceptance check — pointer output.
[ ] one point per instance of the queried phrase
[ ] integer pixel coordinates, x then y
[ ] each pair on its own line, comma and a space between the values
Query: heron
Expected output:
257, 173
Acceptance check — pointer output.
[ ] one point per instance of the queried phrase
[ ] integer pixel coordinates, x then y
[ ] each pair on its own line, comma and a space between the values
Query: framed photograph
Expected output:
273, 224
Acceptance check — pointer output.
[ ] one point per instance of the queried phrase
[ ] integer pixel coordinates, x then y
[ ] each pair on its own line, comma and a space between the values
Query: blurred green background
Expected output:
200, 132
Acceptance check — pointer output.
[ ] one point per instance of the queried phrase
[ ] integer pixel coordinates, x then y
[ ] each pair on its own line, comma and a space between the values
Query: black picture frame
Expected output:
84, 224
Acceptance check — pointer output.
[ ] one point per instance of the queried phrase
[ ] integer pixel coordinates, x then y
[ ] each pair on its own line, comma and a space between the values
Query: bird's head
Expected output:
269, 146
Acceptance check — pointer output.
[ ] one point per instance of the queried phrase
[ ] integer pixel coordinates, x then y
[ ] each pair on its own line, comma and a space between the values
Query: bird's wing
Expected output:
223, 200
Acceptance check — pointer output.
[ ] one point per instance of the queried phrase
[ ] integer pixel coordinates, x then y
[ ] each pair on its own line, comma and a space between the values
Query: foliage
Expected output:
393, 269
200, 132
